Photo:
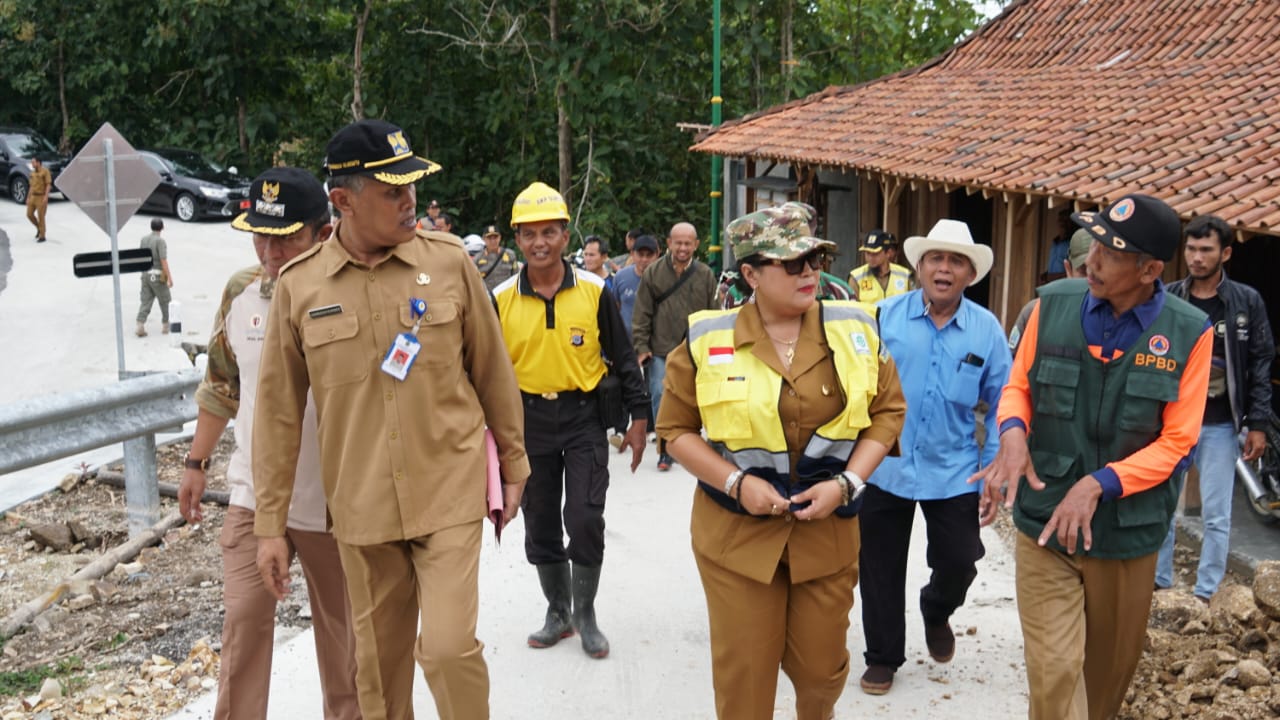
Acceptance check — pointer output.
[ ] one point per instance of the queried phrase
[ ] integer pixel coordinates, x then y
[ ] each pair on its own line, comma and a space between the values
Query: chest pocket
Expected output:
724, 406
1058, 379
1144, 397
965, 384
440, 333
334, 355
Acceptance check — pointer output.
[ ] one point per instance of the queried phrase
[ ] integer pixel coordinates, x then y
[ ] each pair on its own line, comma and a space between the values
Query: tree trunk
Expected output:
64, 142
564, 133
788, 49
242, 116
357, 96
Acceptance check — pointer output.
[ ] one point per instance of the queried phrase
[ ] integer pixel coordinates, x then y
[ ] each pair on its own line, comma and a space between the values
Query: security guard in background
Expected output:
564, 335
881, 277
38, 187
496, 263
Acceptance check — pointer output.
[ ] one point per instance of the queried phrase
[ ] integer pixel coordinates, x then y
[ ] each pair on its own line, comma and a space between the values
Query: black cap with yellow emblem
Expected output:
281, 201
376, 149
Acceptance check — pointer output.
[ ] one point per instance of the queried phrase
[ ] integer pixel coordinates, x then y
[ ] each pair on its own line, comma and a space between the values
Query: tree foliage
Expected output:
479, 85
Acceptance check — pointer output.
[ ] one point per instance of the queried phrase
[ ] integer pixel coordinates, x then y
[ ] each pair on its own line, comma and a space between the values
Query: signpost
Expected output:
109, 181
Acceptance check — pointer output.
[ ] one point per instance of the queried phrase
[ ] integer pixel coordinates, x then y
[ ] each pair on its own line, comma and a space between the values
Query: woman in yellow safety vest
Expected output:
799, 403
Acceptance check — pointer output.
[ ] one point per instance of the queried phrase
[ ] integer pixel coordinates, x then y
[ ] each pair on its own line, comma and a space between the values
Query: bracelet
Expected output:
843, 483
732, 480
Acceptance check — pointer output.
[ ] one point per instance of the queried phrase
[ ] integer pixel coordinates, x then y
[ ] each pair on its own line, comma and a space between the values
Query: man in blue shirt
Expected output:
627, 280
952, 356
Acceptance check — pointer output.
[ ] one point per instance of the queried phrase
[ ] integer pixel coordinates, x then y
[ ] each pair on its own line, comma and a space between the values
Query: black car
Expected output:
191, 187
18, 145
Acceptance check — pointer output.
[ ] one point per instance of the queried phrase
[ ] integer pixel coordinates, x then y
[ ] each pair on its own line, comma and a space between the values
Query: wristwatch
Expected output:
201, 464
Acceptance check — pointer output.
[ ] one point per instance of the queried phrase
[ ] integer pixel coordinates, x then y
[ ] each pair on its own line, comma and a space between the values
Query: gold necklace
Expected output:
791, 346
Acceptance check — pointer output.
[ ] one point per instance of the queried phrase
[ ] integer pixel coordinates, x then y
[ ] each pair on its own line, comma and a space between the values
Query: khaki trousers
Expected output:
435, 577
37, 208
1084, 623
248, 628
755, 628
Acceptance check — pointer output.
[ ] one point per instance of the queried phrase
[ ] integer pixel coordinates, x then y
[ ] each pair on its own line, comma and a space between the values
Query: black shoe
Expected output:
554, 578
585, 583
665, 462
941, 641
40, 239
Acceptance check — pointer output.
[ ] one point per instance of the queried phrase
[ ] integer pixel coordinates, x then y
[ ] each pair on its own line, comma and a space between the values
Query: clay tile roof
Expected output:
1088, 100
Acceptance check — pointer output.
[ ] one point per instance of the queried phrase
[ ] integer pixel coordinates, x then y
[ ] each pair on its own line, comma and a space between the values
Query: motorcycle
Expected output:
1261, 477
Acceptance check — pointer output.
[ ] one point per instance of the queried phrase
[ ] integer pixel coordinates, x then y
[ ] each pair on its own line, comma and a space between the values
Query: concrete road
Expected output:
652, 608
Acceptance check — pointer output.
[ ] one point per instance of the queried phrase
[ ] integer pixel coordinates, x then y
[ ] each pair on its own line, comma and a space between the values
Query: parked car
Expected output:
191, 187
18, 145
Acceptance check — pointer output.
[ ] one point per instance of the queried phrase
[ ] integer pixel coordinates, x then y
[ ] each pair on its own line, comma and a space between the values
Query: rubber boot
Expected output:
585, 582
554, 578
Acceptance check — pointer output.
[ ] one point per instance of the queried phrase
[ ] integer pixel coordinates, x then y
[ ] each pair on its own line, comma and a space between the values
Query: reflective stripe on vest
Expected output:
738, 397
867, 285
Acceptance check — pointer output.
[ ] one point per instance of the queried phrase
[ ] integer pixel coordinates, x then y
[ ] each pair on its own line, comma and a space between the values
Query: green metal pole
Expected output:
714, 252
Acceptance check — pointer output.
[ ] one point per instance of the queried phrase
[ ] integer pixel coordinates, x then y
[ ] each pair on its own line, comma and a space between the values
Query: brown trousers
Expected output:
391, 585
249, 625
755, 628
37, 208
1084, 624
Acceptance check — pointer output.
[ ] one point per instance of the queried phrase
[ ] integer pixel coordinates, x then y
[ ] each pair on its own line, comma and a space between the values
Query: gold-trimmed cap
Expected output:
376, 149
281, 201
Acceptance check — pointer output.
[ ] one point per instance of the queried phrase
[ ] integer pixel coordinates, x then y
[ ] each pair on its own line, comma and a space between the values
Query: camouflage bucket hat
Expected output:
778, 233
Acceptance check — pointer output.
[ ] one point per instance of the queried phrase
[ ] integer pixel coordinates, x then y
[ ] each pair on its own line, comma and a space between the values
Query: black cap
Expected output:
281, 200
878, 240
490, 230
1137, 224
376, 149
645, 242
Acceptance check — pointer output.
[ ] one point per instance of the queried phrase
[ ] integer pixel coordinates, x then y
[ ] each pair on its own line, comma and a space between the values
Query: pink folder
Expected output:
493, 484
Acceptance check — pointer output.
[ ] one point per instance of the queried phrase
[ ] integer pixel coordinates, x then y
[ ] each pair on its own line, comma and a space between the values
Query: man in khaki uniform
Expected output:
38, 196
288, 213
156, 281
394, 334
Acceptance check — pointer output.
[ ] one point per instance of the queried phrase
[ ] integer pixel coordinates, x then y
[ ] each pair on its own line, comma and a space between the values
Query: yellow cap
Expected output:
536, 203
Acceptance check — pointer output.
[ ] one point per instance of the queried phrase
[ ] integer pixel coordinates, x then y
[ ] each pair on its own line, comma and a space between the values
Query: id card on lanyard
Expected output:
404, 350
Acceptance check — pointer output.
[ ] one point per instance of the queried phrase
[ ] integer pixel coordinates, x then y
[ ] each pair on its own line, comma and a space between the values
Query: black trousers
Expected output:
953, 552
569, 459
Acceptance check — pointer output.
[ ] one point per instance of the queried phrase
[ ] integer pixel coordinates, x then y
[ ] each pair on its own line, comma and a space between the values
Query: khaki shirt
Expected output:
39, 183
399, 459
753, 546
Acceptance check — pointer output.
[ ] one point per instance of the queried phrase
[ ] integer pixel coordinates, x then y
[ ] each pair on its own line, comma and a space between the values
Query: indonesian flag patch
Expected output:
720, 356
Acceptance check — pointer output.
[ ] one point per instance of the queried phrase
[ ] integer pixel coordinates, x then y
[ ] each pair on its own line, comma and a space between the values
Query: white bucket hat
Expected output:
950, 236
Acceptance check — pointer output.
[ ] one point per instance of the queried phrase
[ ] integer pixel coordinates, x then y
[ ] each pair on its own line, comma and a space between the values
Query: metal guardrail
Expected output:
52, 427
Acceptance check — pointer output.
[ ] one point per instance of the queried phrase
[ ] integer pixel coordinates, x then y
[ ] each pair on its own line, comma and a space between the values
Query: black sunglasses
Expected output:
795, 266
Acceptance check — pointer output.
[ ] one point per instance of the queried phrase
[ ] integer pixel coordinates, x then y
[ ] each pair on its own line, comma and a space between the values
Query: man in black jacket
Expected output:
1239, 391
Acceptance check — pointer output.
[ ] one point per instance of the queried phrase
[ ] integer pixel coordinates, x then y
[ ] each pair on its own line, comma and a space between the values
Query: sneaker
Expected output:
941, 641
877, 680
141, 331
664, 462
164, 328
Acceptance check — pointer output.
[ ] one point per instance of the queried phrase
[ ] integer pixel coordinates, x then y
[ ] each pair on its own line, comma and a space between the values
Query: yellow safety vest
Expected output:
738, 399
867, 285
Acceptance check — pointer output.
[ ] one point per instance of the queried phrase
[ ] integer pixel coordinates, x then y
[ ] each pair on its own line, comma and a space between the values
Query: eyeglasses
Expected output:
795, 266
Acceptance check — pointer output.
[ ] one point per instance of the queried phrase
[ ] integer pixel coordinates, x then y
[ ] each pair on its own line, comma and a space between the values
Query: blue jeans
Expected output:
1216, 459
657, 372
